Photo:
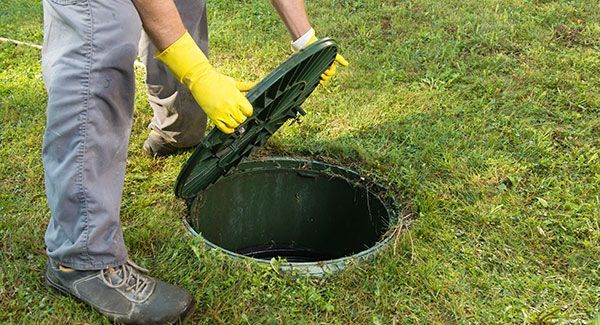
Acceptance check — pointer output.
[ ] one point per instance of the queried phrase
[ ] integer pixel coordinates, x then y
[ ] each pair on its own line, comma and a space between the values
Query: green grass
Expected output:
482, 116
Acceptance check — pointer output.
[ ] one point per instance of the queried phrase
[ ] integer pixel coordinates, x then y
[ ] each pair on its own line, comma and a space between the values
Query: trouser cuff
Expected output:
91, 265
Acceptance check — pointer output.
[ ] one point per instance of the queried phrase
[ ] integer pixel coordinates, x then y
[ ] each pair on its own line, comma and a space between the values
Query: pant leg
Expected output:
177, 116
87, 65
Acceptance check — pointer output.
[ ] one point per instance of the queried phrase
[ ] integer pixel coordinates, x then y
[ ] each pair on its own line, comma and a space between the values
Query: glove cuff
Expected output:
184, 56
303, 40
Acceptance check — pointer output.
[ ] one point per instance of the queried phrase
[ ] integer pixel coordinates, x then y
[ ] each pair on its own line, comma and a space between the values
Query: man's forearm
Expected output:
163, 24
161, 21
293, 15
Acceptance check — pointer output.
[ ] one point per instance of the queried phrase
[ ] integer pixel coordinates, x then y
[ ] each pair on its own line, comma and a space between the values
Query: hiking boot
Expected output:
124, 294
156, 145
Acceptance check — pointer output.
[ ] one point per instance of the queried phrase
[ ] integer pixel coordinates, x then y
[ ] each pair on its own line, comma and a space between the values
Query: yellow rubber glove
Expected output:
218, 95
326, 76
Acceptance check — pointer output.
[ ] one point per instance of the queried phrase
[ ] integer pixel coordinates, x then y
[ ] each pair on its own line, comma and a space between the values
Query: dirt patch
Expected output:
386, 25
570, 35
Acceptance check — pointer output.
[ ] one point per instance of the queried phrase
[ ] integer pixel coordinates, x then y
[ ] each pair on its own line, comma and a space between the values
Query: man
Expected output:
87, 64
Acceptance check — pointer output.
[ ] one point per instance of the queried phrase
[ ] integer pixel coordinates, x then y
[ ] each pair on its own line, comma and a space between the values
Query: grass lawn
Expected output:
482, 116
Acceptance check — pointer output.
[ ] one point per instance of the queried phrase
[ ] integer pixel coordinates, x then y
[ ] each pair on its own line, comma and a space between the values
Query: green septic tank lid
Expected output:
276, 99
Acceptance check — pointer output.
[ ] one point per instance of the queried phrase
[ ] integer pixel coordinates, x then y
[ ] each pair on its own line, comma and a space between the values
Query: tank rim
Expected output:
318, 268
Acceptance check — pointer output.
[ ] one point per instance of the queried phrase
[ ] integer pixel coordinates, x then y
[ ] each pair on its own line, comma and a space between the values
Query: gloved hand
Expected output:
218, 95
309, 38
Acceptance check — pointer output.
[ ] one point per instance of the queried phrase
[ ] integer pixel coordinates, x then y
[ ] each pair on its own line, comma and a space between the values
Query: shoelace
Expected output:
128, 272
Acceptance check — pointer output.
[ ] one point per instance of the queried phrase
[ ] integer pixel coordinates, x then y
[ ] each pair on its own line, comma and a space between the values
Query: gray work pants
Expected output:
87, 65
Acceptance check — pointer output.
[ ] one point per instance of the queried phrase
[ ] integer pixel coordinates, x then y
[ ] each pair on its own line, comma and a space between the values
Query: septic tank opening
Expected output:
313, 215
